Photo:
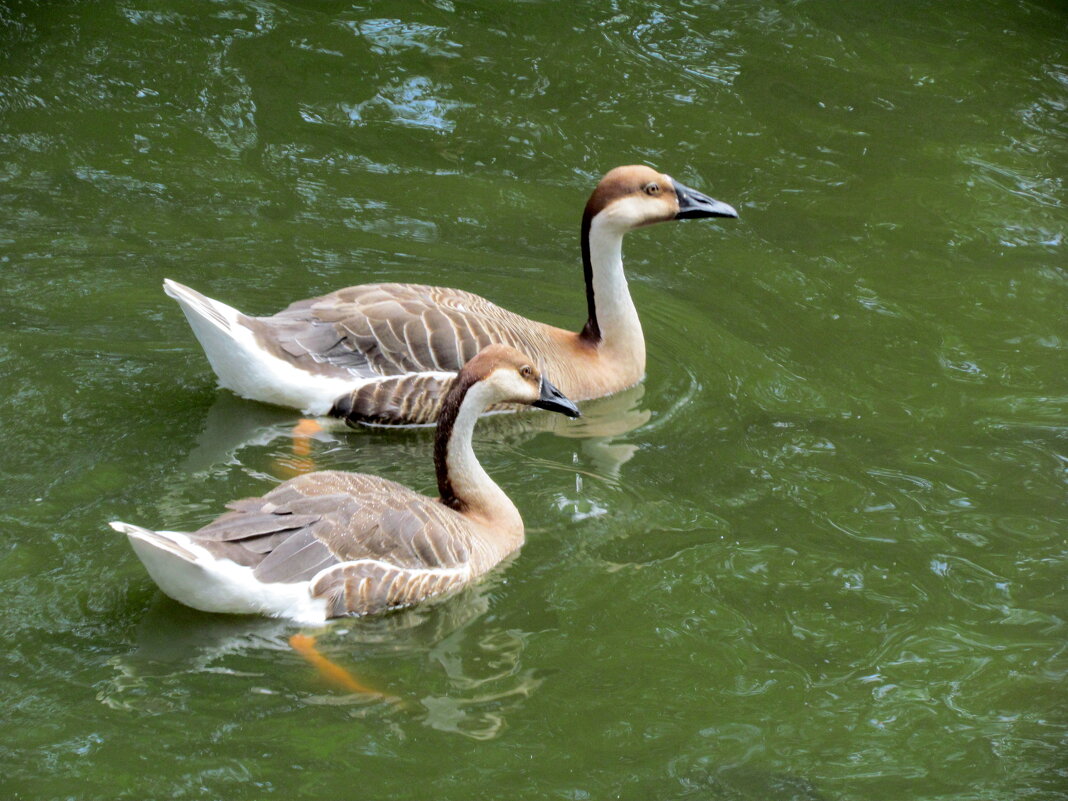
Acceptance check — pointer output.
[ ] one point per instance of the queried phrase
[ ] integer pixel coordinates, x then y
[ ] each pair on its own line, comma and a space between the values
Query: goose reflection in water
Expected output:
470, 680
233, 425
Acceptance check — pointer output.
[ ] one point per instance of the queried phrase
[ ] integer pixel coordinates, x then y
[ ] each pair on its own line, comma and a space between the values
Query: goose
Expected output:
386, 354
330, 543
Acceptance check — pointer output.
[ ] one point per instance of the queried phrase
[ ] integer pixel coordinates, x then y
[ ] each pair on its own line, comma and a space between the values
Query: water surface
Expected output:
819, 554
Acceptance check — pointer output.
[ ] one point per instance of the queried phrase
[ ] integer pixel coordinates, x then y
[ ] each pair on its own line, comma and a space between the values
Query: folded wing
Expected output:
390, 330
380, 544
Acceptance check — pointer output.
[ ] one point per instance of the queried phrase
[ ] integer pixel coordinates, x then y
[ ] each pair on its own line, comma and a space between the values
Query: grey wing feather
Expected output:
401, 400
297, 558
399, 526
244, 525
389, 330
381, 544
412, 400
367, 586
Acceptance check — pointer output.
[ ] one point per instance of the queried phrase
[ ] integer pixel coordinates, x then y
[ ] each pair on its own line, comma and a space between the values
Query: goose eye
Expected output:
652, 188
525, 371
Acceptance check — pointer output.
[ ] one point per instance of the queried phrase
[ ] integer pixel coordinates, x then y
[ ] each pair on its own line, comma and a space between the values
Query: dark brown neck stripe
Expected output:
591, 332
450, 408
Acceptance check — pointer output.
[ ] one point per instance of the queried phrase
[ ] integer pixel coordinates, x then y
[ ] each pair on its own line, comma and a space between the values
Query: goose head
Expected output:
501, 374
632, 196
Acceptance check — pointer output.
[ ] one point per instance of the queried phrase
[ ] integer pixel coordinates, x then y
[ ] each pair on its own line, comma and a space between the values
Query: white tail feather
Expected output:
155, 539
203, 307
191, 575
244, 366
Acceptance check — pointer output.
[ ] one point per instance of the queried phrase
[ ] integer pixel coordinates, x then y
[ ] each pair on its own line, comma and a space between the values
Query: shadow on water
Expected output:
438, 665
234, 425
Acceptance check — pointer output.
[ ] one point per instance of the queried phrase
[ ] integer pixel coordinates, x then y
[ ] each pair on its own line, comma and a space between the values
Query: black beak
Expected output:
555, 401
694, 205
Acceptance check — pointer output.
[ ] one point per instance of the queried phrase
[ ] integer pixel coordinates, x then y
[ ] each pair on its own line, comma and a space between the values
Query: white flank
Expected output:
244, 367
190, 575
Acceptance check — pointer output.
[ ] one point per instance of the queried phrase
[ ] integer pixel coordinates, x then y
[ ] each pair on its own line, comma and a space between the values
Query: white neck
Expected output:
617, 319
471, 485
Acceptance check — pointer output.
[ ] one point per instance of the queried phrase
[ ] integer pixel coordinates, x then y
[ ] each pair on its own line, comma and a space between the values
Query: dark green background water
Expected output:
819, 555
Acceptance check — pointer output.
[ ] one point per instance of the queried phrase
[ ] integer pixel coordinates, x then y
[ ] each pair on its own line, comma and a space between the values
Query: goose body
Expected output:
388, 353
331, 543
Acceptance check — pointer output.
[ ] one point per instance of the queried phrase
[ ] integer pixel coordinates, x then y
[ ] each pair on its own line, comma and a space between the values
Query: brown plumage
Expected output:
398, 346
355, 543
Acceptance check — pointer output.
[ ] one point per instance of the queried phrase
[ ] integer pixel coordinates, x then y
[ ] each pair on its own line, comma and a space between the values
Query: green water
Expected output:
819, 554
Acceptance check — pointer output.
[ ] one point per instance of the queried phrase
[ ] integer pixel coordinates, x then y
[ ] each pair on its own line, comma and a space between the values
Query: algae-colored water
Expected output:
819, 554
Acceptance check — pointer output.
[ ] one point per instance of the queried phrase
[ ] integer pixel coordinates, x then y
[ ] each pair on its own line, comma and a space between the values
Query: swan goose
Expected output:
386, 354
332, 543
